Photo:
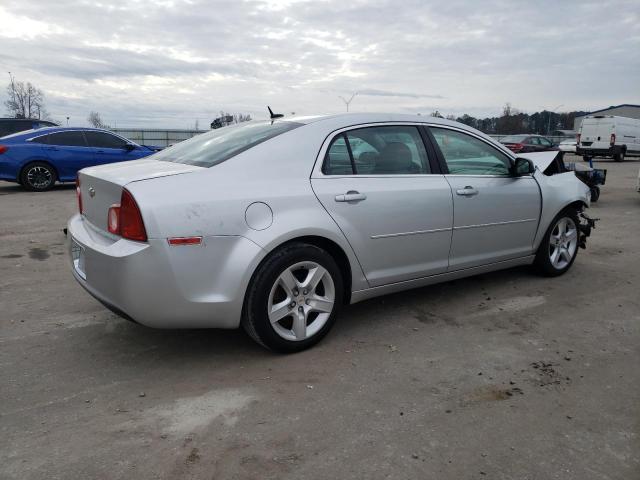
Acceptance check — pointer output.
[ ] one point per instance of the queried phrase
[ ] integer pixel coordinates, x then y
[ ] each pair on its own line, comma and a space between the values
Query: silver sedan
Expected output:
274, 225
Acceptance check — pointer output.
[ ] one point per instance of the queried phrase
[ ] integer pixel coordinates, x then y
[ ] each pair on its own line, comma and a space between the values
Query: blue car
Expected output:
38, 158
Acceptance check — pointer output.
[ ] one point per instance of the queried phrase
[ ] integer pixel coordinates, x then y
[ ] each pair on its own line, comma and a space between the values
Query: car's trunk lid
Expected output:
101, 186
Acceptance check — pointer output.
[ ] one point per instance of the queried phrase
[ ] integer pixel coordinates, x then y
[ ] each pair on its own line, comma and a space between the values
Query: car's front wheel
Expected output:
559, 247
293, 299
38, 177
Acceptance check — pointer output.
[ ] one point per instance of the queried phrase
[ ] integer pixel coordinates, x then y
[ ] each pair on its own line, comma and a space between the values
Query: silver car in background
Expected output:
274, 225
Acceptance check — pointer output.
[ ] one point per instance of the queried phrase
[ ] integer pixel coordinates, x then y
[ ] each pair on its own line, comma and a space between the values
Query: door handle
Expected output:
467, 191
351, 196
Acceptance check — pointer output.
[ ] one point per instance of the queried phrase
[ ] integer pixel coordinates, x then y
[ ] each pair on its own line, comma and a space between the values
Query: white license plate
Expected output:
77, 255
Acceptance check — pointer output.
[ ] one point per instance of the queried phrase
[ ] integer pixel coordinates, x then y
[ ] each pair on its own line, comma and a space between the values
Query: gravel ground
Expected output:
500, 376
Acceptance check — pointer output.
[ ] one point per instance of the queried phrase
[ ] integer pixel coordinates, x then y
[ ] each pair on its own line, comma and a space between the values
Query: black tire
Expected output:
619, 157
542, 262
255, 317
38, 177
586, 158
595, 194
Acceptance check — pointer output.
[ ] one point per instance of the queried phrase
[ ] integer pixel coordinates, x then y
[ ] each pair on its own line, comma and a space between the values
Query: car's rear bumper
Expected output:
164, 286
599, 152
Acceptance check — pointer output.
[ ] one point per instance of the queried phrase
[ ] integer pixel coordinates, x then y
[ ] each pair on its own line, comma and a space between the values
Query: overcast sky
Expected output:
168, 63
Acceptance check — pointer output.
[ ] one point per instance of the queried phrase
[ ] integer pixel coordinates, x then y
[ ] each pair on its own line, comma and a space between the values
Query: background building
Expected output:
624, 110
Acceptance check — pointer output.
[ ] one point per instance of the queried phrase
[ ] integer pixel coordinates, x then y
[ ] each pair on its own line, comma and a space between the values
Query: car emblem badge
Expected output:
92, 192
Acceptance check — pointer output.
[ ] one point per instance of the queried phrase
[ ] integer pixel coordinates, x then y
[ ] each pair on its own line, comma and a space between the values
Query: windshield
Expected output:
513, 139
214, 147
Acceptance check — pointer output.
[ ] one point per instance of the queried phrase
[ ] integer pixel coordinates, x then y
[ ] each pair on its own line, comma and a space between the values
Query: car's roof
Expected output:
366, 117
13, 119
37, 132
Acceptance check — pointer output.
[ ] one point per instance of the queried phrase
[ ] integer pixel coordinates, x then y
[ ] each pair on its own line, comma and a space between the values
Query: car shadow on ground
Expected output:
15, 188
117, 340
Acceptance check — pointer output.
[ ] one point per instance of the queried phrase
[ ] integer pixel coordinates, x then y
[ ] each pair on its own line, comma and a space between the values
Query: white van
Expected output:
608, 136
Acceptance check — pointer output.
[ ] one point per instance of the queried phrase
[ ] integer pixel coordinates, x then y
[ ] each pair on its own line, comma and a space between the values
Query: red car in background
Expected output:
528, 143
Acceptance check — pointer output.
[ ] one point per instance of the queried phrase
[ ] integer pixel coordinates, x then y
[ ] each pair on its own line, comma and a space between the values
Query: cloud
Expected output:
385, 93
166, 63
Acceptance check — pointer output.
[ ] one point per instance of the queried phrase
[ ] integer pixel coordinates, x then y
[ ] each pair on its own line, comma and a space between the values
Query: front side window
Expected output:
467, 155
216, 146
545, 142
384, 150
533, 141
104, 140
68, 139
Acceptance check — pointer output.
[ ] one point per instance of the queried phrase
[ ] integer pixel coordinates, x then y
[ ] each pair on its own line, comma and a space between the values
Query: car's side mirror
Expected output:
129, 146
522, 167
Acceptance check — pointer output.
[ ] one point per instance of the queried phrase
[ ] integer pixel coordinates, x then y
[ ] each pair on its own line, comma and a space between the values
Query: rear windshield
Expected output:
513, 139
214, 147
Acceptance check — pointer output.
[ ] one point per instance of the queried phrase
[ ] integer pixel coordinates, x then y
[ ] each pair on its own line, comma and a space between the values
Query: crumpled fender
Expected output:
558, 191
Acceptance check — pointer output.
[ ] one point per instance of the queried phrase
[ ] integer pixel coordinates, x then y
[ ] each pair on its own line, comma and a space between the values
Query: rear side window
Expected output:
42, 139
215, 147
467, 155
68, 139
384, 150
337, 160
104, 140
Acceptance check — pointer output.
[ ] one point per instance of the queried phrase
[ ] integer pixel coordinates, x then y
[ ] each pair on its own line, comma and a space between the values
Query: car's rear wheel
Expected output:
293, 299
38, 177
559, 247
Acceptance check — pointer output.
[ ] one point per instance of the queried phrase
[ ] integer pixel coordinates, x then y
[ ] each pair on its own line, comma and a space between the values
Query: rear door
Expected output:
381, 186
109, 148
495, 214
69, 152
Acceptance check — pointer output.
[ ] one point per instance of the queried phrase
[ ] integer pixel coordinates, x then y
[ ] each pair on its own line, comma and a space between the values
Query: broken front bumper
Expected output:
585, 226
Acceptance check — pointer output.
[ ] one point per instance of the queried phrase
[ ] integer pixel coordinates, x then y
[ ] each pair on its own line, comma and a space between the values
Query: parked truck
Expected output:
608, 136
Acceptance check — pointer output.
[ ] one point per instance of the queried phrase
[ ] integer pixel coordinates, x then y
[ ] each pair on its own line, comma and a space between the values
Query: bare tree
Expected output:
25, 100
96, 121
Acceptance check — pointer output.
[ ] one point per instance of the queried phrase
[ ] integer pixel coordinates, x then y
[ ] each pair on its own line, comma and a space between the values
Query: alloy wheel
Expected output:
563, 243
39, 177
301, 301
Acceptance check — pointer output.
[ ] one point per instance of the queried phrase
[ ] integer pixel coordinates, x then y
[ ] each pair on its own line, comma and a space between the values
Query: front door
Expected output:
495, 214
377, 185
109, 148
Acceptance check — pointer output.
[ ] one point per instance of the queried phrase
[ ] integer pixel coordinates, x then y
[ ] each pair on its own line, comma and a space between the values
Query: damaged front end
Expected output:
552, 163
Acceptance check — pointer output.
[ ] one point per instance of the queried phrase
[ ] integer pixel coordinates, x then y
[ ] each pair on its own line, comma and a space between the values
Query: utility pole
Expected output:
67, 121
347, 102
550, 113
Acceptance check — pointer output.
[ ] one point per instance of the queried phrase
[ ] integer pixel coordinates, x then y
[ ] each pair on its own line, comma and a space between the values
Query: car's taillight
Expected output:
517, 147
79, 195
3, 148
612, 140
125, 219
